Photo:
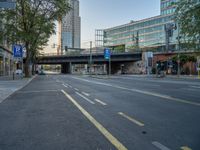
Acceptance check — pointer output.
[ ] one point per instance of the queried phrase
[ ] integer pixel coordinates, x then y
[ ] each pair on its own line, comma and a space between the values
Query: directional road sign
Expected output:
107, 53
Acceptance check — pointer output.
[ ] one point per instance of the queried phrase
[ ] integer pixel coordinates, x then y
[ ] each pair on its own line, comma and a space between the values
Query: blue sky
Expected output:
101, 14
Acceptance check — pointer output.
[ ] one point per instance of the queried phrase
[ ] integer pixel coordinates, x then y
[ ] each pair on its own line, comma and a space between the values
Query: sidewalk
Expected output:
188, 77
192, 77
9, 86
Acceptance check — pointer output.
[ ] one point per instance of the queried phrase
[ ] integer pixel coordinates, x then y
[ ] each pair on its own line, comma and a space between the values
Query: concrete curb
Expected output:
21, 87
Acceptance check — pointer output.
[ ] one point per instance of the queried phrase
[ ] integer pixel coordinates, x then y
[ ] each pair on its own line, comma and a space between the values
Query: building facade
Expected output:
71, 27
147, 34
6, 57
6, 62
167, 6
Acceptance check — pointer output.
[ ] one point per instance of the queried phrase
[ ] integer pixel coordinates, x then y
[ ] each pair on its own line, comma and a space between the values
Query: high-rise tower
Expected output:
168, 6
71, 27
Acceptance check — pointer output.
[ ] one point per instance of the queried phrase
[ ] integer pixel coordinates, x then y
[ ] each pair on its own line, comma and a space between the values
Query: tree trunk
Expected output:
27, 62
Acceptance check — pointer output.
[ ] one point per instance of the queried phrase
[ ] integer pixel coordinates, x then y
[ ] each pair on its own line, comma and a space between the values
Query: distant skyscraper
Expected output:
167, 6
71, 28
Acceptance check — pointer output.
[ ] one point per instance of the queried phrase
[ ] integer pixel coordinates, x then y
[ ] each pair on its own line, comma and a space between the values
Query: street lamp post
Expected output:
90, 58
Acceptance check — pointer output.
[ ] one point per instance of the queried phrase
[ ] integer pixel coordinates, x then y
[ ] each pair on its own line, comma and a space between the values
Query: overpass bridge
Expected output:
97, 58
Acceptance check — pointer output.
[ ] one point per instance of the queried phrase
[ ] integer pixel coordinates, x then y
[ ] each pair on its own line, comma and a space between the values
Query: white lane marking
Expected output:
160, 146
131, 119
96, 82
143, 92
99, 101
162, 81
100, 127
196, 87
167, 97
85, 98
65, 85
76, 89
70, 86
38, 91
86, 94
190, 89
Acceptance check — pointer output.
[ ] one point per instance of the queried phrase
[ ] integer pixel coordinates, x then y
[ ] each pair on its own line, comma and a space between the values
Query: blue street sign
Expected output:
107, 53
17, 51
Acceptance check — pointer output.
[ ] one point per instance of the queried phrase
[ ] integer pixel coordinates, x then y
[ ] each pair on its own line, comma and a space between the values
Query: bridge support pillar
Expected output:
66, 68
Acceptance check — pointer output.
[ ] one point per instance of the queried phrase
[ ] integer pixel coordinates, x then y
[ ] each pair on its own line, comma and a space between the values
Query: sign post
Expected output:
198, 66
18, 53
148, 62
107, 56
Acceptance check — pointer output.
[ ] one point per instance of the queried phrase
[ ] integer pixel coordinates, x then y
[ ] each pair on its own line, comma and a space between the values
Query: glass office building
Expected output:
71, 28
167, 6
148, 34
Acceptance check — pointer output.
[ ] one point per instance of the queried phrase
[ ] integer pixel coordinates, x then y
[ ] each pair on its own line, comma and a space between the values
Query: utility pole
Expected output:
179, 48
90, 62
110, 66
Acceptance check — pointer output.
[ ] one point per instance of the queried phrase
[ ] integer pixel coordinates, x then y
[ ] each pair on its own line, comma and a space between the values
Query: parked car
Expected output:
18, 72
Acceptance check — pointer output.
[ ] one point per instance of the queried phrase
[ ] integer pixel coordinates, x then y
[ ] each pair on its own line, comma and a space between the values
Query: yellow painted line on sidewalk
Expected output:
131, 119
185, 148
100, 127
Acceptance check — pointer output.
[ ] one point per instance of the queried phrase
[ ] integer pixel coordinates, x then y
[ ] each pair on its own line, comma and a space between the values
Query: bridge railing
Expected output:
82, 53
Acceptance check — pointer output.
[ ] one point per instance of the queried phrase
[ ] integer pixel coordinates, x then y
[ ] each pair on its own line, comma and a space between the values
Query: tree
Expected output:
31, 24
187, 15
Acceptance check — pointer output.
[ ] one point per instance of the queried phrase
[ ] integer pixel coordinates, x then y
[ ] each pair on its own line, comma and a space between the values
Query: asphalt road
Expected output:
86, 113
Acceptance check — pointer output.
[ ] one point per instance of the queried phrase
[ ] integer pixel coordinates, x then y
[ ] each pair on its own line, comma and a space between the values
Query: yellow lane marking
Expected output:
99, 101
100, 127
131, 119
185, 148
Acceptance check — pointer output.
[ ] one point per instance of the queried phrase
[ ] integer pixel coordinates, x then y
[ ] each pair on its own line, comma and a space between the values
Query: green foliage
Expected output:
133, 48
185, 58
187, 15
120, 48
32, 23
